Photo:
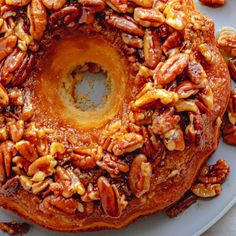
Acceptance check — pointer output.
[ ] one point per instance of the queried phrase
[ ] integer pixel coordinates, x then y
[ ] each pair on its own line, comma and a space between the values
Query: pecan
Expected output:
185, 202
15, 96
25, 182
187, 105
16, 67
118, 5
37, 15
7, 152
113, 165
125, 24
196, 72
54, 4
16, 130
213, 3
194, 130
174, 139
206, 97
232, 108
17, 3
152, 145
175, 15
41, 186
64, 17
24, 38
110, 198
206, 52
58, 205
140, 176
20, 164
172, 42
7, 45
173, 67
86, 158
149, 96
143, 3
229, 134
214, 174
42, 146
165, 122
120, 144
148, 17
132, 41
141, 117
186, 89
227, 41
4, 99
13, 228
57, 148
27, 110
232, 69
3, 133
152, 48
206, 190
44, 166
91, 194
67, 183
26, 150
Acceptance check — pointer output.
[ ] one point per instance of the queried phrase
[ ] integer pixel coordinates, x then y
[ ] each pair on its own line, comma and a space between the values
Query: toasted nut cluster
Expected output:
207, 185
163, 115
210, 180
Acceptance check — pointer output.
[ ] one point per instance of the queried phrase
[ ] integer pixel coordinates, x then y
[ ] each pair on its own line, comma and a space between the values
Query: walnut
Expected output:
27, 150
206, 190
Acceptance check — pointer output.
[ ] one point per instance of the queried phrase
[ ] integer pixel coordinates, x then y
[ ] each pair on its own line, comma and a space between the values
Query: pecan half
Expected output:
7, 45
173, 67
86, 158
7, 151
214, 174
126, 24
4, 99
174, 139
67, 183
206, 190
194, 130
148, 17
120, 144
118, 5
152, 48
172, 42
17, 3
64, 17
54, 4
26, 150
37, 15
180, 206
175, 15
149, 95
164, 122
44, 166
58, 205
113, 165
110, 198
140, 175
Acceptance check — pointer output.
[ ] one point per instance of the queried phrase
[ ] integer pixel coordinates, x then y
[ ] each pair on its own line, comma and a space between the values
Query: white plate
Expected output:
199, 217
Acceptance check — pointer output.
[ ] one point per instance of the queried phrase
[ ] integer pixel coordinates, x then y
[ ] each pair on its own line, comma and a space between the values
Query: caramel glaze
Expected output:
164, 191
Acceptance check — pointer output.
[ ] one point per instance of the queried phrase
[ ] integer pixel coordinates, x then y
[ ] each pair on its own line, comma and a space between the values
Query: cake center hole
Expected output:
91, 87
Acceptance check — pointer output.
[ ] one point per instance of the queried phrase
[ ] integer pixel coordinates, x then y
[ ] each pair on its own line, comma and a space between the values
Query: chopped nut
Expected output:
26, 150
57, 148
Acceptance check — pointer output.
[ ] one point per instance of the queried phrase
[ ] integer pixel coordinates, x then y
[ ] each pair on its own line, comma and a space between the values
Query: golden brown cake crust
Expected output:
144, 180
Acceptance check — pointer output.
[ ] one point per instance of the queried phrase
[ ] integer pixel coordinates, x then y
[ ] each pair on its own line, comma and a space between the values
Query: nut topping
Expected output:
140, 176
